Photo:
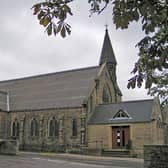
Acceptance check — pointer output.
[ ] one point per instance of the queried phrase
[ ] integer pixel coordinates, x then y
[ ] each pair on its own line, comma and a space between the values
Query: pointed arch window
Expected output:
159, 121
74, 127
90, 104
53, 127
34, 128
106, 97
121, 114
15, 128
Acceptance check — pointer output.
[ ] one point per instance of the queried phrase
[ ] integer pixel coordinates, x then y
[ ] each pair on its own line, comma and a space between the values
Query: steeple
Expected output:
108, 57
107, 53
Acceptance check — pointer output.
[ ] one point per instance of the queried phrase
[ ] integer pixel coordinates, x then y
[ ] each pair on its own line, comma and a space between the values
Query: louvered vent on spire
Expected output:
107, 53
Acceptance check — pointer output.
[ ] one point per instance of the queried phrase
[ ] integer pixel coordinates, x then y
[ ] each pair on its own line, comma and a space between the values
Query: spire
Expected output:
107, 53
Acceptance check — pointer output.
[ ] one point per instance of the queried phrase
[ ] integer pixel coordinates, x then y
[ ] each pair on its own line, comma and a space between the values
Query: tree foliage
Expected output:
52, 14
152, 65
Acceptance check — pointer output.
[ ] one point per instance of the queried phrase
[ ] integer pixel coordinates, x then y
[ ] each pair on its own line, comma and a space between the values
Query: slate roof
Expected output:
107, 53
139, 111
54, 90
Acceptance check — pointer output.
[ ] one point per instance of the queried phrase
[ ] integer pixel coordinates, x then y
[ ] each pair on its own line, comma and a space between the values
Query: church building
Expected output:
80, 109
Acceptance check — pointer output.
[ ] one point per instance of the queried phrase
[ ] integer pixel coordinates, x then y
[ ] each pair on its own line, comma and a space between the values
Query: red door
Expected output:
120, 136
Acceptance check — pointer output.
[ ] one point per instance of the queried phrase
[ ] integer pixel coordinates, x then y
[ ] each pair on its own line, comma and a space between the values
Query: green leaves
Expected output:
124, 12
45, 21
52, 15
153, 48
98, 6
152, 65
49, 29
63, 29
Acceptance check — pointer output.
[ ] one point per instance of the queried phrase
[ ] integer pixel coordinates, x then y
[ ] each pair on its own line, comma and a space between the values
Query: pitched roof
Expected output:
107, 53
54, 90
139, 111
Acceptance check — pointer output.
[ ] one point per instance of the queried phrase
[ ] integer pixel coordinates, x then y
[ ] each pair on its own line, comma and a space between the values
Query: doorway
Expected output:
120, 137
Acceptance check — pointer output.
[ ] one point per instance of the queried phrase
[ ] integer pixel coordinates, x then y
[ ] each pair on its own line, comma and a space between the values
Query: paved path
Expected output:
48, 160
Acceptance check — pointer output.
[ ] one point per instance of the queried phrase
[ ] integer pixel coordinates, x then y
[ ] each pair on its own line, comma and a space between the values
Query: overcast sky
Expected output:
25, 49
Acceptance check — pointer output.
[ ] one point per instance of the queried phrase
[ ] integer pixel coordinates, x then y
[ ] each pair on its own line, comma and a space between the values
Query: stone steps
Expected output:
116, 153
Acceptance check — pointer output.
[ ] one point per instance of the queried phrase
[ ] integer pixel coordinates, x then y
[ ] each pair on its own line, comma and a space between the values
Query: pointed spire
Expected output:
107, 53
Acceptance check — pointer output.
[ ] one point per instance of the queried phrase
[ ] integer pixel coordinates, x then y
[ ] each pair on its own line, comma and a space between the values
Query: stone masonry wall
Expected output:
156, 156
99, 136
9, 147
3, 129
43, 141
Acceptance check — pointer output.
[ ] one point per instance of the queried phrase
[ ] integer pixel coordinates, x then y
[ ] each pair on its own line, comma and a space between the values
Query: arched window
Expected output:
159, 121
106, 95
15, 128
34, 130
90, 104
74, 127
53, 127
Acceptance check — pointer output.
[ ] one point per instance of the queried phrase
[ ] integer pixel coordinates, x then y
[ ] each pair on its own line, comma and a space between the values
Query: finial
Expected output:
106, 26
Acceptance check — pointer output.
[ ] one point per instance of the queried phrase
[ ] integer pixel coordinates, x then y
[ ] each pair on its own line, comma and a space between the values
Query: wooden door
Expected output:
120, 136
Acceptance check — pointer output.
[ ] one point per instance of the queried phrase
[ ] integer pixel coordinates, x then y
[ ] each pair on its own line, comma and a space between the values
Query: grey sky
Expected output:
25, 50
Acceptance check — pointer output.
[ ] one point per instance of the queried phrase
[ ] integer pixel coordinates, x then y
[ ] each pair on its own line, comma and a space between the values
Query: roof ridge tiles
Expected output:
128, 101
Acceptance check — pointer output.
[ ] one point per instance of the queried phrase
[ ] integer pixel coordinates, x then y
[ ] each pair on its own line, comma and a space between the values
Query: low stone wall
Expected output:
10, 147
156, 156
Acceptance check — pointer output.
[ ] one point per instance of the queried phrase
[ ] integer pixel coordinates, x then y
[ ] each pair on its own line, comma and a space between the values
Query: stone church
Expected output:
78, 109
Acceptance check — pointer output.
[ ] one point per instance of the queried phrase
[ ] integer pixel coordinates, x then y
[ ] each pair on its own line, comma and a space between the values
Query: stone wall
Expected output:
140, 134
146, 134
105, 80
3, 126
166, 134
43, 141
99, 136
156, 156
9, 147
96, 91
